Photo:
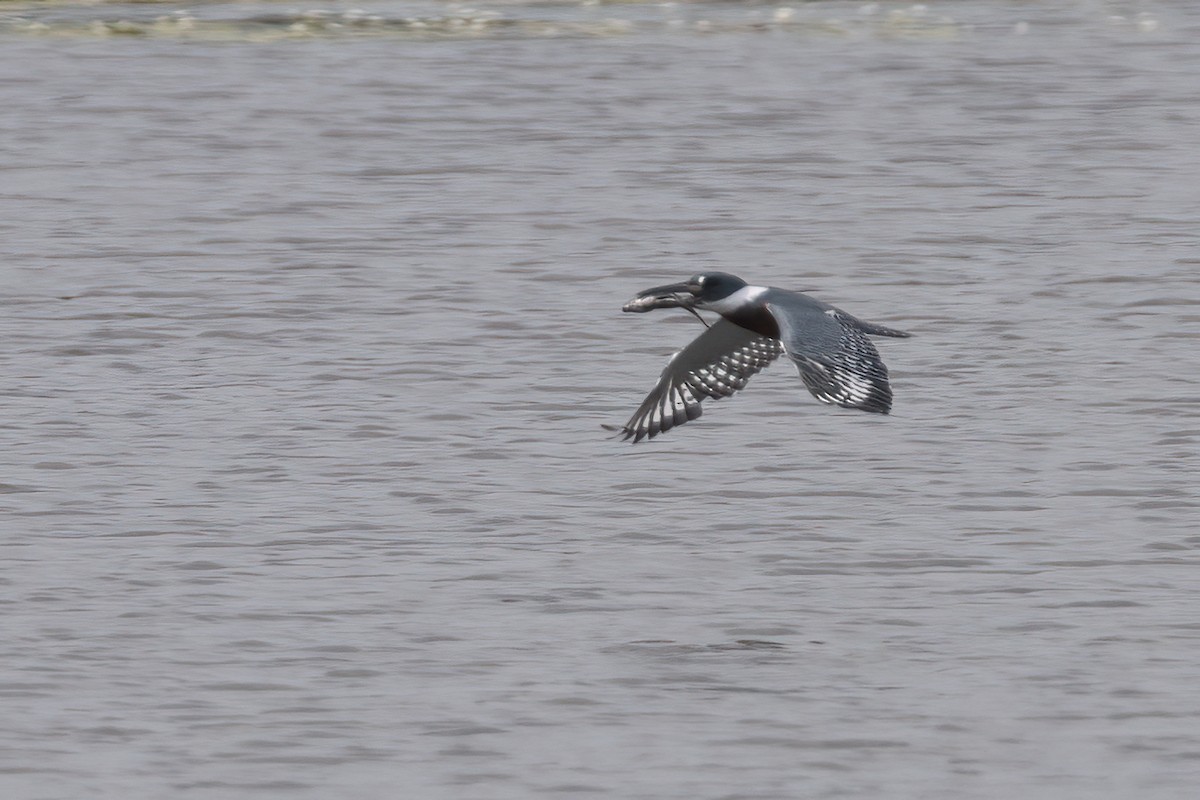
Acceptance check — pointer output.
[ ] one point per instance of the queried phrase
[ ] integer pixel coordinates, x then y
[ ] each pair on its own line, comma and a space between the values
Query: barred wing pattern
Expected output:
845, 369
718, 363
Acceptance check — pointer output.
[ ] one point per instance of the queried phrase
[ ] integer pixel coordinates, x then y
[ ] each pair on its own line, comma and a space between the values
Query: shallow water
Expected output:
309, 339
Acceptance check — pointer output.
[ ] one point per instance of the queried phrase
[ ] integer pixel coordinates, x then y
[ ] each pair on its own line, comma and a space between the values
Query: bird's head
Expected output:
698, 292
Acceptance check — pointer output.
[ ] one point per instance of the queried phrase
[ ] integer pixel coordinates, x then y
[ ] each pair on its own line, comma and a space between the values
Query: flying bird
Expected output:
837, 362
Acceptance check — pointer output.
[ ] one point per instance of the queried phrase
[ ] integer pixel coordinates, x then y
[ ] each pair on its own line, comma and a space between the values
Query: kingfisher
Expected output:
837, 362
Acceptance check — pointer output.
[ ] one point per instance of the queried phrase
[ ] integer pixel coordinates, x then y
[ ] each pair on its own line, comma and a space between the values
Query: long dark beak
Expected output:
675, 295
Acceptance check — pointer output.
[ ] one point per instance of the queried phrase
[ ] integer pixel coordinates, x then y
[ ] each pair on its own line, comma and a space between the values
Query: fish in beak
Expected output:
675, 295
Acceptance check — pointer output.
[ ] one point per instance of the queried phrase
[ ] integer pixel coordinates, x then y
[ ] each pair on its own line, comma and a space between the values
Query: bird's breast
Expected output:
756, 318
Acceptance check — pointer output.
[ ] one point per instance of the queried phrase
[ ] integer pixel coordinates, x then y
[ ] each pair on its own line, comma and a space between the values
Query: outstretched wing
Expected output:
716, 364
837, 362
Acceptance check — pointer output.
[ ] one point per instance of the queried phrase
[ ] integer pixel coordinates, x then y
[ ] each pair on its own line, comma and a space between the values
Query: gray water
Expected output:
309, 334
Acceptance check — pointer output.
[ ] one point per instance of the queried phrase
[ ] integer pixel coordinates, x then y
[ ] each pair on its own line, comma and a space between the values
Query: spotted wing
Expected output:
836, 360
718, 363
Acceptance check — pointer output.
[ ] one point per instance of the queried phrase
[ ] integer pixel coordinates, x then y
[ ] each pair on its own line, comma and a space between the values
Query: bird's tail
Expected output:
881, 330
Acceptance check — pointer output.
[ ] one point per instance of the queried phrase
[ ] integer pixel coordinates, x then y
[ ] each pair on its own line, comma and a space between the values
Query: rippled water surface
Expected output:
311, 319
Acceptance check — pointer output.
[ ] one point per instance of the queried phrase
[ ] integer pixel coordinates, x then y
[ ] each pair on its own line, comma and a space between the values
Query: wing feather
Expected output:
837, 362
718, 363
